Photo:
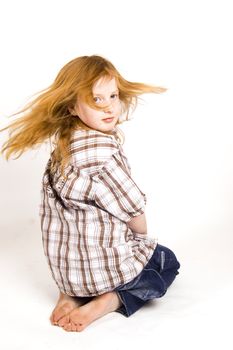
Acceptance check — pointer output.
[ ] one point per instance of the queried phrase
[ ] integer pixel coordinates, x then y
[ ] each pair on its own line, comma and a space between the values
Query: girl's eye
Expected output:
97, 99
114, 96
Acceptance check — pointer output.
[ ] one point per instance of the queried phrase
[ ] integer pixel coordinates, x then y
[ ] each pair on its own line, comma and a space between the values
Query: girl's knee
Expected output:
168, 260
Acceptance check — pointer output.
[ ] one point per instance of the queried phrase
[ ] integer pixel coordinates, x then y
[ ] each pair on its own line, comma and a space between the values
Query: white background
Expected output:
179, 145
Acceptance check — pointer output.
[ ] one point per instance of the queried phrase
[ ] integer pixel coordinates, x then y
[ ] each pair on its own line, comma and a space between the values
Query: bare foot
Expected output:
81, 317
64, 306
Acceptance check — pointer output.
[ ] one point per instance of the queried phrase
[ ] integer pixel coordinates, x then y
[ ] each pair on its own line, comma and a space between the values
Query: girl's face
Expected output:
105, 93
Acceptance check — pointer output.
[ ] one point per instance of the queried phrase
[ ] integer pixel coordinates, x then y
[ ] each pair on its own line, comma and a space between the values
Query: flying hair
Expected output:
48, 116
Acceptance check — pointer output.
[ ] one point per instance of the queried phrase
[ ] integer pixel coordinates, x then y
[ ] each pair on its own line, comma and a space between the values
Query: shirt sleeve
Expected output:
116, 192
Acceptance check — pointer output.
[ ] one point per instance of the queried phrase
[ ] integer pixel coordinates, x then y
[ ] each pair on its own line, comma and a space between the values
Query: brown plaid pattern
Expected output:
84, 212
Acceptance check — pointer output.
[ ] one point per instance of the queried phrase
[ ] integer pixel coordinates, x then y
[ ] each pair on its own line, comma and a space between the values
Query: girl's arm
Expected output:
138, 224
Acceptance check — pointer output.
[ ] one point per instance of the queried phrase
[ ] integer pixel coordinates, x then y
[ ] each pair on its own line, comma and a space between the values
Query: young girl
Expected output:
92, 212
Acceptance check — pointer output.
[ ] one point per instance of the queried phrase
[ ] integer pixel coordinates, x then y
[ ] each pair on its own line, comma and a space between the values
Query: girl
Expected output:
92, 212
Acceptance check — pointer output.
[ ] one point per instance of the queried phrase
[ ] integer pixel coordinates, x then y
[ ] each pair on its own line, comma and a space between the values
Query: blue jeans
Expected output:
151, 283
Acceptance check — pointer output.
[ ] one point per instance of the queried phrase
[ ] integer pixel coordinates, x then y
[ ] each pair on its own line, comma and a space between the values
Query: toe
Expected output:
80, 327
60, 313
64, 321
67, 327
52, 320
73, 327
70, 327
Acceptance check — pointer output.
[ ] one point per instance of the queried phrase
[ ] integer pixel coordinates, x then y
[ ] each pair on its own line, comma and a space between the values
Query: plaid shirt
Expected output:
84, 213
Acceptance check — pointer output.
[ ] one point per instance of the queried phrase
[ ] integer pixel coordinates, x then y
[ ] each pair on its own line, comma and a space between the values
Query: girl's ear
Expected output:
72, 111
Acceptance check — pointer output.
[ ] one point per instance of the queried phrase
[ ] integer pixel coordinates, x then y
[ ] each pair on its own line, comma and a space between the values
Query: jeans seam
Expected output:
162, 260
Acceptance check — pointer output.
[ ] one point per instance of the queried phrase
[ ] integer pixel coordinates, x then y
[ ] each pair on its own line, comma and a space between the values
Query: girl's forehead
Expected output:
105, 84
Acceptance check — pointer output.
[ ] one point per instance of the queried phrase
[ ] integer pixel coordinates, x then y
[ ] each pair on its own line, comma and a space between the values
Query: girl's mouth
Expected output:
108, 120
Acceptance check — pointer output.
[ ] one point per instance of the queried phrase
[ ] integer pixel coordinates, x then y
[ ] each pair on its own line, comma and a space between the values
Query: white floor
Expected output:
194, 314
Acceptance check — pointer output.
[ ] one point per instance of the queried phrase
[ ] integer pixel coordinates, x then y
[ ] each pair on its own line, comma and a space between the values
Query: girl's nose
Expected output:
109, 109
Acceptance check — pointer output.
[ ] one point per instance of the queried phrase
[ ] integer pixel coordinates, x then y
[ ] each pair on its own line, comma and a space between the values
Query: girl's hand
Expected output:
138, 224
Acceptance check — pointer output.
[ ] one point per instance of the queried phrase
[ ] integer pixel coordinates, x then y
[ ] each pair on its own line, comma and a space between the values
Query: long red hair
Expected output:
48, 116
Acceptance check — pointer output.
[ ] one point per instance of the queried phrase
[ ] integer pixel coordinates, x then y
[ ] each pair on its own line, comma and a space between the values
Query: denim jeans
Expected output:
151, 283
